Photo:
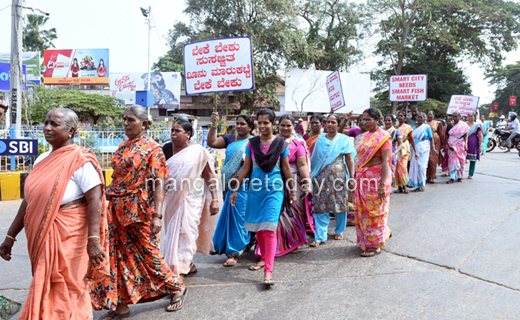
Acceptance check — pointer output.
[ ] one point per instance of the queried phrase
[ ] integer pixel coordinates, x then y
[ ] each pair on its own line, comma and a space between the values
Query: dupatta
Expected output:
233, 163
473, 129
327, 151
369, 146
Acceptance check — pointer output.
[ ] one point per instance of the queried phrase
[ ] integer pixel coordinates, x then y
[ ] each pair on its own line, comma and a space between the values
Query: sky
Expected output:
119, 26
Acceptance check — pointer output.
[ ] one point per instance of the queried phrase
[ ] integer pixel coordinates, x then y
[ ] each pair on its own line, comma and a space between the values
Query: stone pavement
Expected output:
452, 255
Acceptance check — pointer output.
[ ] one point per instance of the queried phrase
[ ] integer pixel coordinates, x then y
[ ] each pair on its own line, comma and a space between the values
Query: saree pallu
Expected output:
230, 237
189, 224
456, 141
371, 212
57, 239
311, 142
422, 136
401, 167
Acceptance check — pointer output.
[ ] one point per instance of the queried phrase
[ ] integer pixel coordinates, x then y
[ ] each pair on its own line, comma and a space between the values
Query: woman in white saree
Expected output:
191, 201
423, 138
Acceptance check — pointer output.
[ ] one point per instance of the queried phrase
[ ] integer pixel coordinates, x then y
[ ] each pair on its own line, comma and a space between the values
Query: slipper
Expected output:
256, 267
459, 180
232, 264
269, 282
338, 237
450, 181
470, 177
406, 190
111, 315
317, 244
368, 254
179, 298
444, 175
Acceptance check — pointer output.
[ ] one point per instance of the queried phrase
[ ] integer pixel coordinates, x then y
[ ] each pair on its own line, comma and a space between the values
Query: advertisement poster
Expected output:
5, 76
335, 91
411, 87
166, 87
219, 65
463, 104
76, 66
31, 61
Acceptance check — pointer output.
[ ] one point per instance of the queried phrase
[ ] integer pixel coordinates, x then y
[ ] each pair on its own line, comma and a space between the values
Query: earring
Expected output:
144, 128
70, 136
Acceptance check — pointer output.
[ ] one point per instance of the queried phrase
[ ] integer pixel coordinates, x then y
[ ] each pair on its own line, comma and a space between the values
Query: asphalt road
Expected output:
453, 254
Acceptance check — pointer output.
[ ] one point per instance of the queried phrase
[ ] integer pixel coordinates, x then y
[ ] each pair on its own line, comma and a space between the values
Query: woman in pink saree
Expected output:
458, 146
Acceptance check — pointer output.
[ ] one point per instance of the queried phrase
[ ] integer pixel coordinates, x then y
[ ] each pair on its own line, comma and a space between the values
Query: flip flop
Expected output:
368, 254
317, 244
256, 267
111, 315
179, 298
450, 181
269, 282
338, 237
226, 264
470, 177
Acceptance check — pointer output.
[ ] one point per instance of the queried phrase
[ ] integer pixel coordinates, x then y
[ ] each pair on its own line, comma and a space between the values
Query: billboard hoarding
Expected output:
76, 66
5, 76
166, 87
463, 104
219, 65
31, 61
411, 87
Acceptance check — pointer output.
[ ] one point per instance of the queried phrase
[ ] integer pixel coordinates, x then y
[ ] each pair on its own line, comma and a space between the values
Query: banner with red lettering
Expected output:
219, 65
495, 106
411, 87
335, 91
166, 87
512, 101
463, 104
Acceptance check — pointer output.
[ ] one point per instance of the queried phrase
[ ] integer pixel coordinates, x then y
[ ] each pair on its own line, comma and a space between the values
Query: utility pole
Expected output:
16, 66
149, 29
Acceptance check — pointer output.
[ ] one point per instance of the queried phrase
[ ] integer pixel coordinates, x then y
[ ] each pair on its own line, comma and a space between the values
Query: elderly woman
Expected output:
64, 215
230, 237
331, 166
267, 161
458, 147
373, 186
475, 143
138, 272
191, 202
436, 157
423, 138
316, 128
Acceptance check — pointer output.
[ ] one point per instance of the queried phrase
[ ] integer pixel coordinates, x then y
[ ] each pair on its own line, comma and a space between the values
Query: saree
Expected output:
57, 239
401, 167
421, 136
138, 271
457, 156
485, 132
473, 143
392, 131
371, 212
189, 225
230, 237
311, 142
328, 168
438, 141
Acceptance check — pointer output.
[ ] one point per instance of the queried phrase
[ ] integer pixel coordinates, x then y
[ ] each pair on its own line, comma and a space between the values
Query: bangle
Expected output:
214, 200
10, 237
214, 125
158, 215
94, 237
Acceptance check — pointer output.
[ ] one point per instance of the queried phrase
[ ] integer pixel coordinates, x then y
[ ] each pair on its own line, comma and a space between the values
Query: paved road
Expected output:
453, 254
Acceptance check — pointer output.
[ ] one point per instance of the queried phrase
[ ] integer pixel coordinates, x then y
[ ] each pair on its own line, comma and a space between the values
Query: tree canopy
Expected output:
36, 39
505, 78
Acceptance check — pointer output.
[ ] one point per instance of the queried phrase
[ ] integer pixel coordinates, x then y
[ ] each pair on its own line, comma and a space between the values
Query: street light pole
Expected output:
16, 65
149, 29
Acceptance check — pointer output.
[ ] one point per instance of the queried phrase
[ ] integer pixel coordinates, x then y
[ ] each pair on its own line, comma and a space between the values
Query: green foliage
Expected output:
110, 124
35, 39
85, 105
504, 78
439, 108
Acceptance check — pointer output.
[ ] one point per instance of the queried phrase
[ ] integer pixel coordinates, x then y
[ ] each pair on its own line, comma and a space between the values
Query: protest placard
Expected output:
463, 104
412, 87
218, 65
335, 91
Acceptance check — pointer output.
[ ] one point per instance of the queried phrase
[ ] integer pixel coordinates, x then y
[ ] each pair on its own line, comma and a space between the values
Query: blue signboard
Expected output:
5, 77
18, 147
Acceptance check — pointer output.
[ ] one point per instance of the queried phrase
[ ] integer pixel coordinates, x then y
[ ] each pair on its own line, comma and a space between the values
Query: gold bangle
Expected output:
10, 237
214, 200
94, 237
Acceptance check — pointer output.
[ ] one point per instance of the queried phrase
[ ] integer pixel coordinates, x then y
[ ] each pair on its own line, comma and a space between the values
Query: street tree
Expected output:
34, 37
505, 79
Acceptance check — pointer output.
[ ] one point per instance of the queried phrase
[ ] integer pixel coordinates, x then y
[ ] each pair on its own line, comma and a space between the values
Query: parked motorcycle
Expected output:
498, 139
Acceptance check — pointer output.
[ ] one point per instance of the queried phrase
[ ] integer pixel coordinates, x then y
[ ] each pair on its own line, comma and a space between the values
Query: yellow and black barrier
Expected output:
12, 184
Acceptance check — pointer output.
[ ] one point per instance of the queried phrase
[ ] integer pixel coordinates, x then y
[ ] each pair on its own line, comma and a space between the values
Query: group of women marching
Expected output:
277, 189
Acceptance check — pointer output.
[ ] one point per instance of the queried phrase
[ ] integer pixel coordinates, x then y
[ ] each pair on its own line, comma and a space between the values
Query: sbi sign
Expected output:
18, 147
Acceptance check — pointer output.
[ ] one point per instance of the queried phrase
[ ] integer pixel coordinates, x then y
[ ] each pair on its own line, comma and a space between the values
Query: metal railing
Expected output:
102, 142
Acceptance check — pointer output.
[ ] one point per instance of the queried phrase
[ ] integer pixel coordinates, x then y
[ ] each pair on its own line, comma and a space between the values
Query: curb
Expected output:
12, 184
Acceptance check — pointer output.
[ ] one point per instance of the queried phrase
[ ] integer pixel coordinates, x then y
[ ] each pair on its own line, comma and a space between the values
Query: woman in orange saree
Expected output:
439, 140
65, 220
401, 168
373, 186
311, 138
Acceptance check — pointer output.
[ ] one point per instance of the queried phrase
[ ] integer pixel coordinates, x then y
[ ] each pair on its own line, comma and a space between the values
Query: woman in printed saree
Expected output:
475, 143
65, 219
138, 271
267, 158
439, 140
397, 140
423, 137
331, 167
316, 127
446, 149
290, 232
485, 130
458, 146
191, 201
230, 237
373, 186
401, 168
